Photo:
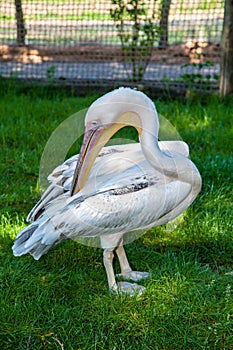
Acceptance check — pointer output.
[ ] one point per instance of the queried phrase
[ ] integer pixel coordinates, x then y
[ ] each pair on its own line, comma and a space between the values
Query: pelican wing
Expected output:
139, 204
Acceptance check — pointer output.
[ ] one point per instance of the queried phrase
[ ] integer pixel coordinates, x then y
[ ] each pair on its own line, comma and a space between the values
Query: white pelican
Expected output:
112, 191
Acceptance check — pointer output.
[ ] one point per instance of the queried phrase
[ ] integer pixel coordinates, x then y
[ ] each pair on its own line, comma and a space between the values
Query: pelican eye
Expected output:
94, 123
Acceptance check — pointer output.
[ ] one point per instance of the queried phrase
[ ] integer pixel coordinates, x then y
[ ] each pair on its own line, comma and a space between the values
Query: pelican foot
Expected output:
134, 275
130, 288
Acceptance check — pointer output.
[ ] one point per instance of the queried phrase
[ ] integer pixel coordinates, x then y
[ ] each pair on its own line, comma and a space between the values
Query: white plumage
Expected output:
108, 193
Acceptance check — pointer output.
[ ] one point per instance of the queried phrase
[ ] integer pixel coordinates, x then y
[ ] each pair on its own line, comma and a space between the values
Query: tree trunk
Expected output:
21, 31
163, 24
226, 76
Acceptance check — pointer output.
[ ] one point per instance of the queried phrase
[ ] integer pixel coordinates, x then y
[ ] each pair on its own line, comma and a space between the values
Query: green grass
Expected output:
62, 300
81, 16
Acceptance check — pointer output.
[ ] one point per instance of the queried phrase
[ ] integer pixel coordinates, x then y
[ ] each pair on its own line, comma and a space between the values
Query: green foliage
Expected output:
199, 78
137, 33
50, 74
62, 300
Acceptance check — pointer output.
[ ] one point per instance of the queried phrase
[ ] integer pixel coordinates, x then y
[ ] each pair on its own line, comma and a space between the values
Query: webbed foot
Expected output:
130, 288
134, 275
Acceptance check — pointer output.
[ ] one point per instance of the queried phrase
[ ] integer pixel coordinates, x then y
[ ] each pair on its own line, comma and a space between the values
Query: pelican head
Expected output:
111, 112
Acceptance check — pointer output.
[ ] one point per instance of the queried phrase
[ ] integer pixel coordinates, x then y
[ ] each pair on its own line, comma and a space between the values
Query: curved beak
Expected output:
94, 140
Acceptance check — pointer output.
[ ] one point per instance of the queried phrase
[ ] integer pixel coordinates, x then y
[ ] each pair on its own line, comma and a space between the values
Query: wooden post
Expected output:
163, 24
21, 31
226, 75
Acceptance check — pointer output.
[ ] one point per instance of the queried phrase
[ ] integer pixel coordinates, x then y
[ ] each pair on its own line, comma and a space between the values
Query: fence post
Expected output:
163, 24
226, 76
21, 31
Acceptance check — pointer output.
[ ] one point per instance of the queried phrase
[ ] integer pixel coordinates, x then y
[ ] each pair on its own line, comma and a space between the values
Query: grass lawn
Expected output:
62, 301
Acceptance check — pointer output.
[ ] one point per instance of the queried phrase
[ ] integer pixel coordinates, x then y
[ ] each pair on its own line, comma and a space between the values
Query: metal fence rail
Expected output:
87, 42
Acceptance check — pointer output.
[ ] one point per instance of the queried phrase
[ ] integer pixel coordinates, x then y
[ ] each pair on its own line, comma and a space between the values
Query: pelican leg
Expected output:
126, 270
123, 260
108, 259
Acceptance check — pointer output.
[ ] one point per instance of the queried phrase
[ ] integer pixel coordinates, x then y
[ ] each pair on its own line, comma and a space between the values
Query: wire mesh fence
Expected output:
110, 42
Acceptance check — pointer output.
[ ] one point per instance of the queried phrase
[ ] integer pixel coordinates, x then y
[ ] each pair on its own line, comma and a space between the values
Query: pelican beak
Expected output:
94, 140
